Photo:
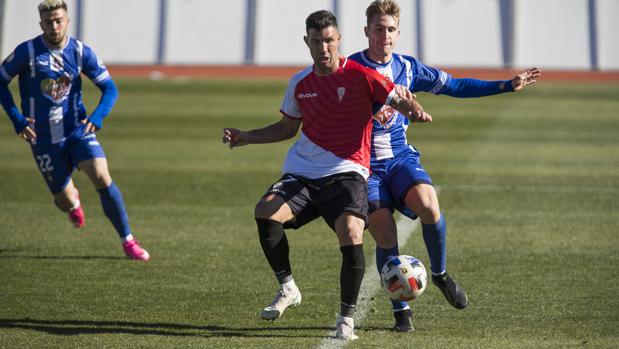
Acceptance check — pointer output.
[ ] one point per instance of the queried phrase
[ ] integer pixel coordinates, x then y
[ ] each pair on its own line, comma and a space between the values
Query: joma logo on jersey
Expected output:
307, 95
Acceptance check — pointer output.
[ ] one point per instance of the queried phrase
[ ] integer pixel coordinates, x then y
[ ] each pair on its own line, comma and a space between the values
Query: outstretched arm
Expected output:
467, 87
284, 129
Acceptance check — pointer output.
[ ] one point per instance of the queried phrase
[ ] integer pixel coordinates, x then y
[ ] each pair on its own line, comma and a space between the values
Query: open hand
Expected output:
525, 78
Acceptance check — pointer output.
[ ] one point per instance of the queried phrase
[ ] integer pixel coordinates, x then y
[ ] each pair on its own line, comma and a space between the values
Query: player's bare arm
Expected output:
284, 129
527, 77
406, 103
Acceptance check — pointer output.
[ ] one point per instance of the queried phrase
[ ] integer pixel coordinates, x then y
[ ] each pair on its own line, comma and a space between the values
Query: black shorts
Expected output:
326, 197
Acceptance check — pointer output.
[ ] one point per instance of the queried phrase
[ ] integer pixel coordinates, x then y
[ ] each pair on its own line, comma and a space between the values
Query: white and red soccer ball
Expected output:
403, 277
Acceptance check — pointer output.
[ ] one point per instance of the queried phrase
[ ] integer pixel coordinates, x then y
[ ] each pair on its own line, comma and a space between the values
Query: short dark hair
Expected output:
320, 20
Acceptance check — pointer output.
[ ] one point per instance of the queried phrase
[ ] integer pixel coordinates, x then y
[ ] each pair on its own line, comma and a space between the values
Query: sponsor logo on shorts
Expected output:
277, 191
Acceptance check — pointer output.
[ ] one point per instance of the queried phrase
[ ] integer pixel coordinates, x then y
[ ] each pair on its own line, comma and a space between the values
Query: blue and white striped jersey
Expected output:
50, 85
389, 131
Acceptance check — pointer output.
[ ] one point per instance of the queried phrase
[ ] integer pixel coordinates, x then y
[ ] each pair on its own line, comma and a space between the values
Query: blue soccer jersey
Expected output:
51, 87
389, 132
394, 163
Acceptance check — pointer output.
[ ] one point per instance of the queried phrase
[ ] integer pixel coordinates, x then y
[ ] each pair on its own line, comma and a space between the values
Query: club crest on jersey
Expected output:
340, 93
56, 90
385, 116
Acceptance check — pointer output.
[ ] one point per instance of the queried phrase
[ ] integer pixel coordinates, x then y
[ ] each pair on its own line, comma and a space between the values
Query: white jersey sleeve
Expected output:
290, 107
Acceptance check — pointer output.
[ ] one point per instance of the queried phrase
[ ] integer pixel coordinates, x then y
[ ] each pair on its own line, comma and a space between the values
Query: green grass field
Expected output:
529, 187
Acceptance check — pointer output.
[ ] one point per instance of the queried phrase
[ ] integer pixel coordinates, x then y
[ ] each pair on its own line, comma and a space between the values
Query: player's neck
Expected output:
379, 58
328, 69
58, 46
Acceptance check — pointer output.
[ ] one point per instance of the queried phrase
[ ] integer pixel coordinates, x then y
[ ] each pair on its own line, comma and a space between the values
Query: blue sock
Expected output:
114, 209
434, 236
382, 255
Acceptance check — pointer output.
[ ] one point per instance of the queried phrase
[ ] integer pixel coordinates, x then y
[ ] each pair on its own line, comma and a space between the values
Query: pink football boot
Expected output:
134, 251
76, 214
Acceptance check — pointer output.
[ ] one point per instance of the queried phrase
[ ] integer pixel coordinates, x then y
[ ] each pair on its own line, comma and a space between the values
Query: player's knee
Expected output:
384, 239
262, 210
101, 182
349, 229
274, 208
429, 214
383, 228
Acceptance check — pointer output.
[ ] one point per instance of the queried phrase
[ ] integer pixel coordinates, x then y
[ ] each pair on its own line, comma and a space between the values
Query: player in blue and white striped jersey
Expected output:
54, 121
398, 180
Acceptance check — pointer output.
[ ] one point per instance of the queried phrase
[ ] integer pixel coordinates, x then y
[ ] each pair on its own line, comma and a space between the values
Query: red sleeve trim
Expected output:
289, 116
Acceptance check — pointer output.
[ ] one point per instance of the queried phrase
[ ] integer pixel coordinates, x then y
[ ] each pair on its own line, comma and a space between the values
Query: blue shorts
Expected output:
56, 162
391, 180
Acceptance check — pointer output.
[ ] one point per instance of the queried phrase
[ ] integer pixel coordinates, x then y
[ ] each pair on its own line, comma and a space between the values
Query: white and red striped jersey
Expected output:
336, 113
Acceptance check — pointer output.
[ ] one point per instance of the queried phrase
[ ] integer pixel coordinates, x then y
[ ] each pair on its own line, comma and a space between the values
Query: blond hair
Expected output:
382, 8
51, 5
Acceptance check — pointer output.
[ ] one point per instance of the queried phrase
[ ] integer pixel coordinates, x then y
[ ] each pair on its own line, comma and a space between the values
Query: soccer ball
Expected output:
403, 277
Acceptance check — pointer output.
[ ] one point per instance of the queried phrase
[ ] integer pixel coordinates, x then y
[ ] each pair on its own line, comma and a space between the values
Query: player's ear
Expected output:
366, 30
306, 40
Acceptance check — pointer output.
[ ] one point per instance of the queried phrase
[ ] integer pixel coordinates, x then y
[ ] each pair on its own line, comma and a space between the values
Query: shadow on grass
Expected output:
5, 250
78, 327
61, 257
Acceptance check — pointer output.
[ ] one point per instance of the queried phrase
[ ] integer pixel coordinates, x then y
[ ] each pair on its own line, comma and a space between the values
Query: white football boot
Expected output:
344, 327
280, 303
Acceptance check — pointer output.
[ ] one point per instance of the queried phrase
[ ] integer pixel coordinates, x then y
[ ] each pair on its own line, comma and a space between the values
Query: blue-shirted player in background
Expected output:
398, 180
53, 118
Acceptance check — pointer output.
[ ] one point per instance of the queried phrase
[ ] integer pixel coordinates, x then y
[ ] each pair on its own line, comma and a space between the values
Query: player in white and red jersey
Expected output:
325, 171
398, 180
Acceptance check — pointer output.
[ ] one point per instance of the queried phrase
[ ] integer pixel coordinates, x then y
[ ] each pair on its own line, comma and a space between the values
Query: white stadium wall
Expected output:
607, 13
198, 34
462, 33
122, 30
280, 27
552, 34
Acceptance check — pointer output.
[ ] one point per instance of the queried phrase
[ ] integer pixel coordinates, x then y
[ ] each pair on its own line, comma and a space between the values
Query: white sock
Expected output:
289, 287
128, 238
